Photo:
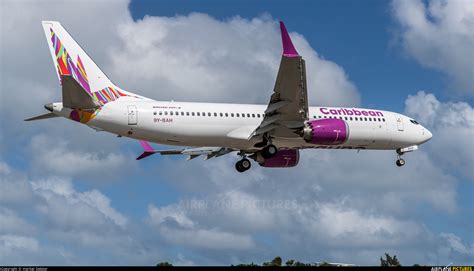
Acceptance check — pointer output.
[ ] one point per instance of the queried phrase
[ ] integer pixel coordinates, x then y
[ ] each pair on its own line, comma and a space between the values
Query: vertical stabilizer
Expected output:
70, 59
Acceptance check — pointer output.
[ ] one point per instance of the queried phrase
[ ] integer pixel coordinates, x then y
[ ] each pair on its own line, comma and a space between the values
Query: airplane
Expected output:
272, 135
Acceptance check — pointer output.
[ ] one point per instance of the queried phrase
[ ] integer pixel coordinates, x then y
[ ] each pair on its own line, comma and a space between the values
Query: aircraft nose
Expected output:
429, 135
426, 135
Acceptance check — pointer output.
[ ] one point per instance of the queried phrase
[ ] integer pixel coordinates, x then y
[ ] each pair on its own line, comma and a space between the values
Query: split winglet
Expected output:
288, 47
147, 150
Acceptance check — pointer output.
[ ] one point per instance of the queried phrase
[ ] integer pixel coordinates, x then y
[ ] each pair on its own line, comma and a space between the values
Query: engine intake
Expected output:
326, 132
283, 158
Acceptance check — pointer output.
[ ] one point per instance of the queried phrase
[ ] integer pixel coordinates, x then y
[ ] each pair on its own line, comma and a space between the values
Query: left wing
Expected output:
209, 152
287, 110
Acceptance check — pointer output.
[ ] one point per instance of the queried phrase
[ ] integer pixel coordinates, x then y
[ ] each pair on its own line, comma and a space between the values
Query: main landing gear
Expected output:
243, 165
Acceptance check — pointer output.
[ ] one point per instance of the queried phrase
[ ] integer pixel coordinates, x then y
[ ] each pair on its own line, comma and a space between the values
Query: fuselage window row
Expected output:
248, 115
209, 114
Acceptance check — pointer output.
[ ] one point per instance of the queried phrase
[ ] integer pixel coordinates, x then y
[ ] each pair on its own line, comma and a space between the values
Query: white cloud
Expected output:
208, 239
54, 156
14, 242
16, 190
10, 223
452, 125
162, 214
183, 231
199, 58
68, 208
439, 36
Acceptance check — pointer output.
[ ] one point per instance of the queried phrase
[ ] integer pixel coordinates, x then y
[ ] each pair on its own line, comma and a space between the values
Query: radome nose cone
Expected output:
49, 107
429, 135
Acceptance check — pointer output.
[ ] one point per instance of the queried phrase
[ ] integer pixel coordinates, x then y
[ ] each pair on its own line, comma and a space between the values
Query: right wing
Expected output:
287, 110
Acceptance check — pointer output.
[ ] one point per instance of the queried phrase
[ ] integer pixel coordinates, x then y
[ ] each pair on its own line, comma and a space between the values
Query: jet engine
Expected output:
283, 158
326, 131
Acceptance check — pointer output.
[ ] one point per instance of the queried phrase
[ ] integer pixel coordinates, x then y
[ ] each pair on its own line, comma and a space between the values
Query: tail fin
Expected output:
70, 60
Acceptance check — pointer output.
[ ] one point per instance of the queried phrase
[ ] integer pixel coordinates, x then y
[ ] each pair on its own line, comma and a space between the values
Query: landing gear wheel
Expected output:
269, 151
400, 162
243, 165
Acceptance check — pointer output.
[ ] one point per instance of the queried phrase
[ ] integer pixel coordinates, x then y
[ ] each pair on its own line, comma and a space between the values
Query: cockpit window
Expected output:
414, 122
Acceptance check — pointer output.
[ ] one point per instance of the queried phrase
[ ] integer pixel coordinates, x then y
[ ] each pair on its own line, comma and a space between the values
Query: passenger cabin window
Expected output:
192, 114
166, 112
215, 114
198, 114
226, 114
232, 114
258, 115
160, 113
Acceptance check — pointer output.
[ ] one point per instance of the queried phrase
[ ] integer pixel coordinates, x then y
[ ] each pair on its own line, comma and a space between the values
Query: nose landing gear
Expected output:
400, 162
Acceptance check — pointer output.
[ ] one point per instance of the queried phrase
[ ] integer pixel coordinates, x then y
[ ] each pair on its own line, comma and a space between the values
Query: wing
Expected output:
209, 152
288, 107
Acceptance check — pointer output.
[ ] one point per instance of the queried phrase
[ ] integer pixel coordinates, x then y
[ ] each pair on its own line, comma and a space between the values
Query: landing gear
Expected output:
400, 162
243, 165
269, 151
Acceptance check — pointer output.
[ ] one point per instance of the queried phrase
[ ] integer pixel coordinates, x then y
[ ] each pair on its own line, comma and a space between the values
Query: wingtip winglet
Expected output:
147, 150
288, 47
146, 146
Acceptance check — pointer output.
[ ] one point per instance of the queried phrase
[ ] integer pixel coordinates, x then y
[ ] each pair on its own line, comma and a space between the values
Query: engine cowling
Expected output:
326, 132
283, 158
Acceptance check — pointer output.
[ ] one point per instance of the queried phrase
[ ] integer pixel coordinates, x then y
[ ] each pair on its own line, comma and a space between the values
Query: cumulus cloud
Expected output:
235, 60
183, 231
92, 208
452, 125
63, 225
54, 156
439, 36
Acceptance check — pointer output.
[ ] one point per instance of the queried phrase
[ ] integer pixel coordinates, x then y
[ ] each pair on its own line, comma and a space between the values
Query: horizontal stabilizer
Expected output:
41, 117
75, 96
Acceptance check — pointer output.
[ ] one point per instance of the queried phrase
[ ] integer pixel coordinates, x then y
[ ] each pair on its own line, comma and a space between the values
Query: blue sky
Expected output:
70, 195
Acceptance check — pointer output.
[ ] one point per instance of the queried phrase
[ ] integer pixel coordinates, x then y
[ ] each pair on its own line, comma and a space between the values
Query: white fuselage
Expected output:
230, 125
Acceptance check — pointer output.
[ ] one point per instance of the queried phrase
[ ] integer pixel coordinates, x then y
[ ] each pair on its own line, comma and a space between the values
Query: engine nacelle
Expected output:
326, 131
283, 158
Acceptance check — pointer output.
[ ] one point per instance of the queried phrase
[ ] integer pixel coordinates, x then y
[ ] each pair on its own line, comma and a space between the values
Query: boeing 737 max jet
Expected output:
272, 134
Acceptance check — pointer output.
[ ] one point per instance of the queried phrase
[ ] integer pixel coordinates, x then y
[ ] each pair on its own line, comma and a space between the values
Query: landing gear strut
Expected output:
400, 162
243, 165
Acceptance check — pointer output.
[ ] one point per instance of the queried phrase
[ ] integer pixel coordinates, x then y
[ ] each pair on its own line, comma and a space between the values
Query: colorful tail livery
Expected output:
70, 61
